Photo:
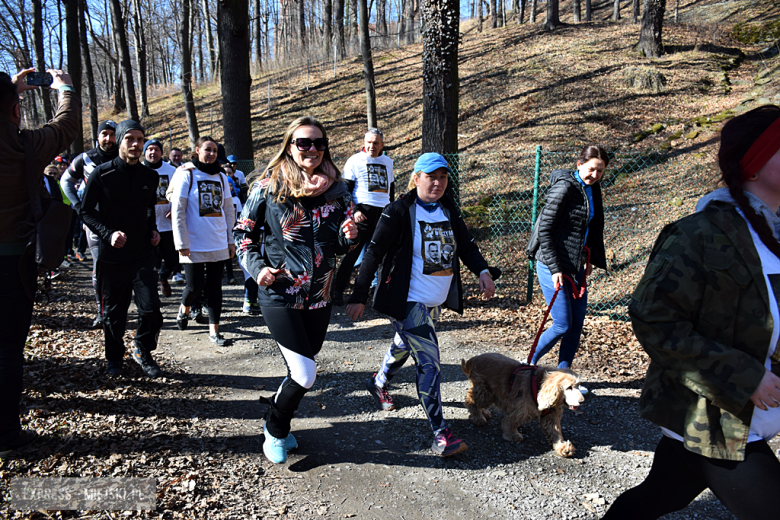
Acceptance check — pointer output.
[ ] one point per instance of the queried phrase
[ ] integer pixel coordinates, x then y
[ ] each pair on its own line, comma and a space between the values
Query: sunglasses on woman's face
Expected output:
304, 144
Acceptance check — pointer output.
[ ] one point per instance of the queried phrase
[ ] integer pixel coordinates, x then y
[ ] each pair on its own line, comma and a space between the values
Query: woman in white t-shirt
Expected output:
203, 218
418, 242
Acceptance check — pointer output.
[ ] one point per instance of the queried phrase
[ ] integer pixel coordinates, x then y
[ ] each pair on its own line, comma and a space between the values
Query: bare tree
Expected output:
532, 17
74, 62
650, 41
368, 64
635, 18
124, 58
327, 15
615, 10
577, 11
186, 72
338, 23
209, 38
588, 11
233, 31
440, 25
140, 56
40, 61
553, 20
479, 15
86, 58
493, 15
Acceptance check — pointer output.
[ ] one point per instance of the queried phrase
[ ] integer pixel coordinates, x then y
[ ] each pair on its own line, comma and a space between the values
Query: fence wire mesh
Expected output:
501, 194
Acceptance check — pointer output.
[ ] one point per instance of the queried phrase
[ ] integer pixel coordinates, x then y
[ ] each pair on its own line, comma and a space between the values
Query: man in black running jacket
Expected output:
118, 205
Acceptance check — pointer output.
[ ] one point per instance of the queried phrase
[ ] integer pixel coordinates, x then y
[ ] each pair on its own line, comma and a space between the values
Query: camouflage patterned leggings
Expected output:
416, 336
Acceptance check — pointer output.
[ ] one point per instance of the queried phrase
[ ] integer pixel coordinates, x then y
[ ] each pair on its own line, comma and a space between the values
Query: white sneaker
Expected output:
179, 278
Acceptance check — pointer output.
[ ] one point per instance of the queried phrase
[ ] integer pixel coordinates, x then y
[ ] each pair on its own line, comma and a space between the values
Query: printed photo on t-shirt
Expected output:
162, 187
377, 178
210, 198
438, 248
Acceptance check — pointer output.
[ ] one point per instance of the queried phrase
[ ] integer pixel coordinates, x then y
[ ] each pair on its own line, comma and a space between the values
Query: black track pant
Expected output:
118, 282
748, 489
208, 275
167, 256
299, 335
365, 232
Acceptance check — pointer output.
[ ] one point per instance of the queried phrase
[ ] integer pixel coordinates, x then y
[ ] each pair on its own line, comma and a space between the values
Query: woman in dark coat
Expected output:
572, 218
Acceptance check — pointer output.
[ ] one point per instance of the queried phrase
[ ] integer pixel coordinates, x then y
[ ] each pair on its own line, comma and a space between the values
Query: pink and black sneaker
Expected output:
381, 395
446, 444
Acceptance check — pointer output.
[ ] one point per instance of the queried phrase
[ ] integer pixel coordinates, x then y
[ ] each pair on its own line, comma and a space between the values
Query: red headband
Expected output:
767, 144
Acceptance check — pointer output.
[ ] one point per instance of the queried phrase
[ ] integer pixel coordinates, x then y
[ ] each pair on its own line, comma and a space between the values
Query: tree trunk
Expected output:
87, 60
517, 7
532, 17
493, 15
553, 20
409, 22
368, 64
635, 18
479, 15
588, 11
615, 10
501, 13
186, 73
124, 59
301, 25
40, 60
440, 25
577, 11
140, 56
650, 41
327, 20
338, 24
676, 11
209, 39
233, 31
74, 63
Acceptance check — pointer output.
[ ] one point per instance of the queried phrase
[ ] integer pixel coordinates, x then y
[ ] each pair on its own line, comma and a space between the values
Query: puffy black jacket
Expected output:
392, 246
558, 237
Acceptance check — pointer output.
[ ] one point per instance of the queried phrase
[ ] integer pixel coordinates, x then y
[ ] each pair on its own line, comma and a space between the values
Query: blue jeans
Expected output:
567, 314
16, 310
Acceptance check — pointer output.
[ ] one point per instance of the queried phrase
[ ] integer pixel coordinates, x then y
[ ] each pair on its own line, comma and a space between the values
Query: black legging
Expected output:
208, 275
299, 335
747, 489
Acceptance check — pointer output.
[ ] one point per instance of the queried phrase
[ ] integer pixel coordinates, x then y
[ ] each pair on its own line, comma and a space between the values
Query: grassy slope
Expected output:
520, 87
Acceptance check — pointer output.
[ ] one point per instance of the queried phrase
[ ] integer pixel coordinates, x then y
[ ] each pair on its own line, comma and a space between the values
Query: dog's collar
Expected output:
534, 385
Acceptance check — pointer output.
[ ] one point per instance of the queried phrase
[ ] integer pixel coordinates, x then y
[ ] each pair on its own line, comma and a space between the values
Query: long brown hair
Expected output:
286, 177
736, 138
199, 143
593, 151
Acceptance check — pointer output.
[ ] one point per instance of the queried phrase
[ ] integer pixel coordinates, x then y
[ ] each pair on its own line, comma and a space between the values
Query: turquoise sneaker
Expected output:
290, 443
247, 308
275, 449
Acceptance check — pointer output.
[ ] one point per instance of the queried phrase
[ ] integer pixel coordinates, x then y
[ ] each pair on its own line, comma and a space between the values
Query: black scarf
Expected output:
212, 168
153, 166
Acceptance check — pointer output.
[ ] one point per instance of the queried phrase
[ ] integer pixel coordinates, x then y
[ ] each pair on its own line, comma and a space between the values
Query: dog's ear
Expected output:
551, 392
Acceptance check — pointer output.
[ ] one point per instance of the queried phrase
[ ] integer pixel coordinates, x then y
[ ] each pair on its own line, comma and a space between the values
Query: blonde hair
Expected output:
416, 175
286, 177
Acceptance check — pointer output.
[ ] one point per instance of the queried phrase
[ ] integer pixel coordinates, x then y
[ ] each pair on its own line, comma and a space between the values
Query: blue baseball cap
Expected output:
151, 142
430, 162
232, 158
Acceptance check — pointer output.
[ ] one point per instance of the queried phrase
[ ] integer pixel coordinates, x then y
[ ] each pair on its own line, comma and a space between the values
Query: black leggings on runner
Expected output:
299, 335
207, 274
747, 489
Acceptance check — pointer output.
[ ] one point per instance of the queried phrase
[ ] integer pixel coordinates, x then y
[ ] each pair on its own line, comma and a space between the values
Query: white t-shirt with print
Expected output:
206, 224
165, 171
372, 176
434, 252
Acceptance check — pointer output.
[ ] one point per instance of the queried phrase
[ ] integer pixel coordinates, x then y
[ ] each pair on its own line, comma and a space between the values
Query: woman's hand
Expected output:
184, 252
350, 229
359, 217
486, 285
557, 280
355, 310
768, 392
267, 276
232, 250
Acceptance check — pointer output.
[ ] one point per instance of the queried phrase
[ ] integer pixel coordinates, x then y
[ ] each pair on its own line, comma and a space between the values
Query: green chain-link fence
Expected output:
501, 194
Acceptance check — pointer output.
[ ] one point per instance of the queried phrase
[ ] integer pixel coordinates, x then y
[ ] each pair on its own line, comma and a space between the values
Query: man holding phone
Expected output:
18, 270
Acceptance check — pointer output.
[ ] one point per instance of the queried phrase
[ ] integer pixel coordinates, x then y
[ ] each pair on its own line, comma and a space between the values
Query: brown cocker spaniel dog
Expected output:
490, 377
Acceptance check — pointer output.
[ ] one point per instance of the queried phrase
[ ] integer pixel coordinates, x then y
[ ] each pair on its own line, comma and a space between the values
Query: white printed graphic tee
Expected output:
434, 253
372, 176
163, 207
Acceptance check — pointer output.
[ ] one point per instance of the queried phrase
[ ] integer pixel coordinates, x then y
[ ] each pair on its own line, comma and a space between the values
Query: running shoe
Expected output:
201, 317
446, 444
247, 307
114, 368
98, 322
381, 395
275, 449
165, 288
80, 257
290, 443
218, 339
54, 274
146, 362
179, 279
24, 438
182, 319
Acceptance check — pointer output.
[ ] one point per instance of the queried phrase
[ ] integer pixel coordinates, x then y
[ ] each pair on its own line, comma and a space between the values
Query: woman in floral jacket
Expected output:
301, 212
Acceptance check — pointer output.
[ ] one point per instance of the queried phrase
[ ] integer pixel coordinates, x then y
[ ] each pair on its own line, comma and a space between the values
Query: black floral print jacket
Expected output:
301, 237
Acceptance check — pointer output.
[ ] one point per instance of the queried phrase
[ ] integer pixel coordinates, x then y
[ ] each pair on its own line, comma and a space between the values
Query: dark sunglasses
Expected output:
304, 144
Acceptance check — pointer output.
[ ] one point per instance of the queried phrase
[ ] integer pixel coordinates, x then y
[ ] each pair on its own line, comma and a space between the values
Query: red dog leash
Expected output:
576, 293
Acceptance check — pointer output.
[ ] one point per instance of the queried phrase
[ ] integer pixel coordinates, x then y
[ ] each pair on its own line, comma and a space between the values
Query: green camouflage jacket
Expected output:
701, 312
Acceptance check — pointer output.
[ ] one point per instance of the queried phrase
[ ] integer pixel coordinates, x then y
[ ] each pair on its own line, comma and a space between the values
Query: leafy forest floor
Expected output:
198, 431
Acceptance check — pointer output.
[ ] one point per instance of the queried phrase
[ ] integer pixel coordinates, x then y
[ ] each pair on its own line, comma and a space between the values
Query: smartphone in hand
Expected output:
39, 79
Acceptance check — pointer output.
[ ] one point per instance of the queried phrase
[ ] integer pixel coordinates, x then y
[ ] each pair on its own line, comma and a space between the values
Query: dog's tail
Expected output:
465, 366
